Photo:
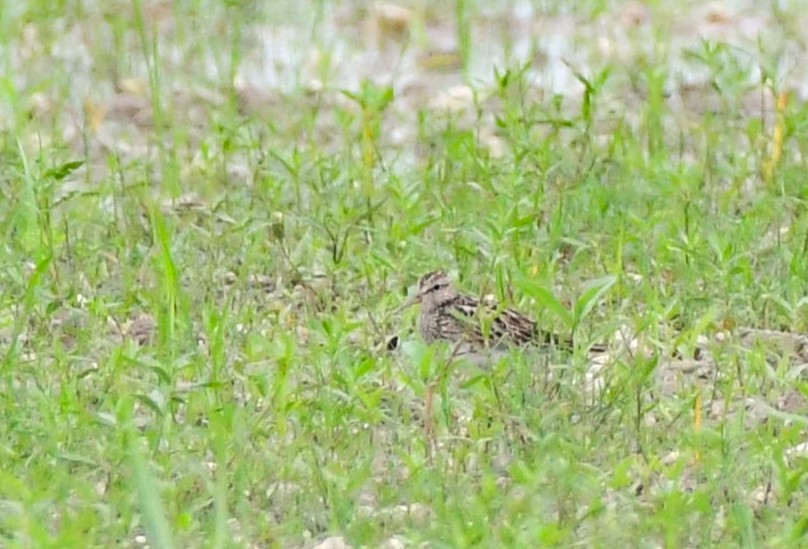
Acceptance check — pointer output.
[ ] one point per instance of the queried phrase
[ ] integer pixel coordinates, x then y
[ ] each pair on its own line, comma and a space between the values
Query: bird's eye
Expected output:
435, 288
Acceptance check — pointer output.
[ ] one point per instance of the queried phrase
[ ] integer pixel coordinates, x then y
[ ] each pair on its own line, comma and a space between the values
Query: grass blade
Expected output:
595, 289
148, 490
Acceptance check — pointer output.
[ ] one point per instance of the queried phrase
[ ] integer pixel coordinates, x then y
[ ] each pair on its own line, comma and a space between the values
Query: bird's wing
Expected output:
489, 325
523, 331
461, 320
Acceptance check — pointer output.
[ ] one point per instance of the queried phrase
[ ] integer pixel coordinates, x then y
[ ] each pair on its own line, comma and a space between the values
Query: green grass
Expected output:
271, 231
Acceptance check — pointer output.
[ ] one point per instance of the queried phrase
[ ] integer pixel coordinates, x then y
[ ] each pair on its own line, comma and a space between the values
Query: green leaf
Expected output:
148, 491
545, 298
595, 289
363, 368
60, 172
155, 401
28, 304
76, 458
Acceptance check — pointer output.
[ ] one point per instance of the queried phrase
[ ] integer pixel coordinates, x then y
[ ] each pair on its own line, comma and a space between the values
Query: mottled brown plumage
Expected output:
448, 315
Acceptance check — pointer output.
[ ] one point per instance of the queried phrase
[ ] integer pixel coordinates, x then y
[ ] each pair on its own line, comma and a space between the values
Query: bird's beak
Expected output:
412, 300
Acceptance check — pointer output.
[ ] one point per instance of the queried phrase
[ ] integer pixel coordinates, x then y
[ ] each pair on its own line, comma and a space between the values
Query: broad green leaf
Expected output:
594, 291
60, 172
546, 299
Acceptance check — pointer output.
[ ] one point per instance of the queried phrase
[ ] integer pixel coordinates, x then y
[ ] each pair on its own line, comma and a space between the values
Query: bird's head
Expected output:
434, 289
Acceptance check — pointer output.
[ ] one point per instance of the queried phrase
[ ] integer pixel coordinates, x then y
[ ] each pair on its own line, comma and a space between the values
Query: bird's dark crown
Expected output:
433, 281
435, 288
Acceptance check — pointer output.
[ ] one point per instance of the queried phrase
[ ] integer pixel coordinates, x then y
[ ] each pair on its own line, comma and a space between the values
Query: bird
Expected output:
474, 325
